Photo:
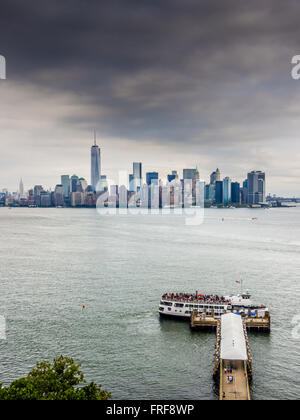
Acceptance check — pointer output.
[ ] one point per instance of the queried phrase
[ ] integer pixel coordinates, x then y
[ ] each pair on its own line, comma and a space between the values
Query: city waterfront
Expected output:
54, 261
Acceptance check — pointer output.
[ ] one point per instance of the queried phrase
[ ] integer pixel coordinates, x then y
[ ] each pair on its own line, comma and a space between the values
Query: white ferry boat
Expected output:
182, 305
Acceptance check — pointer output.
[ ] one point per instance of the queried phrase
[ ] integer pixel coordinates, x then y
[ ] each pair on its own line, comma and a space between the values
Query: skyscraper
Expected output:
226, 190
210, 192
65, 182
21, 189
59, 195
215, 176
189, 173
245, 192
131, 182
152, 177
73, 183
172, 176
235, 192
219, 192
137, 175
256, 187
95, 164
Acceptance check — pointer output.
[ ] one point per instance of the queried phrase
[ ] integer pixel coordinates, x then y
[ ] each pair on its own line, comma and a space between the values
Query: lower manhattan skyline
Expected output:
181, 93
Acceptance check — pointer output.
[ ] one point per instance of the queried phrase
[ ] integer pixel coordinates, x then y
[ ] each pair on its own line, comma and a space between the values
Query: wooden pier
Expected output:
233, 360
239, 388
202, 321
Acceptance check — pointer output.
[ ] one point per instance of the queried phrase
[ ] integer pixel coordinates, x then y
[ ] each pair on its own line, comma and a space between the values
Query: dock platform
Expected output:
200, 322
239, 388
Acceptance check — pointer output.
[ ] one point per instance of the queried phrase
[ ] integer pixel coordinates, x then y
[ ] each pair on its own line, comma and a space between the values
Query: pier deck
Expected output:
238, 389
210, 322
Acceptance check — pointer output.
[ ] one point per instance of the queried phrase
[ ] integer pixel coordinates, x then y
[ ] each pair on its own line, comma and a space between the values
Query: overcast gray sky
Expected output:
171, 83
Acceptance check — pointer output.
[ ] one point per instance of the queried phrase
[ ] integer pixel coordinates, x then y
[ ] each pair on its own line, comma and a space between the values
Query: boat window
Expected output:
166, 303
178, 305
161, 308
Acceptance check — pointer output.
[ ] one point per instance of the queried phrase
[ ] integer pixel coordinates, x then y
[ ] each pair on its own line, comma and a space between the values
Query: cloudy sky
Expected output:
171, 83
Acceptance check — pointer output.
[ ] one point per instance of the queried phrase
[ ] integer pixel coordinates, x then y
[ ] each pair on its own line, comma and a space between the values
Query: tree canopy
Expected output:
60, 380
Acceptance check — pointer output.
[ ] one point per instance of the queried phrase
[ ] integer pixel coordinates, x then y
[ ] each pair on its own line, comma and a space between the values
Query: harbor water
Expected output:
54, 261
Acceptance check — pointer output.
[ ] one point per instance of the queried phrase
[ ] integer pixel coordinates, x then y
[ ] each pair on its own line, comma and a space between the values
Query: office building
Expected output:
210, 192
244, 192
45, 199
219, 192
95, 165
172, 176
137, 176
65, 182
103, 184
74, 183
215, 176
226, 190
235, 193
131, 182
151, 177
190, 173
59, 195
21, 189
256, 184
83, 184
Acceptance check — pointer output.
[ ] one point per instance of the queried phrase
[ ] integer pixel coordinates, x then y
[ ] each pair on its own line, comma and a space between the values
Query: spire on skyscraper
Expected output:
95, 137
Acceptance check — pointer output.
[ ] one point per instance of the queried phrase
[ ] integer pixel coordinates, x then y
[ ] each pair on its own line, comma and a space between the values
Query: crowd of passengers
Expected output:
188, 297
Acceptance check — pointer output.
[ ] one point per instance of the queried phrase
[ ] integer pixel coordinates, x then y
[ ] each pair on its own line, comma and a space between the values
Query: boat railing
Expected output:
196, 301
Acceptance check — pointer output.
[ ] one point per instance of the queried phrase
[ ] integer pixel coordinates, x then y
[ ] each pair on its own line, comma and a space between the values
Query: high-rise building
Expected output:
210, 192
45, 199
77, 199
95, 165
65, 182
131, 182
83, 183
226, 190
189, 173
219, 192
21, 189
37, 193
256, 187
172, 176
215, 176
235, 192
59, 195
151, 177
137, 175
103, 184
245, 192
73, 183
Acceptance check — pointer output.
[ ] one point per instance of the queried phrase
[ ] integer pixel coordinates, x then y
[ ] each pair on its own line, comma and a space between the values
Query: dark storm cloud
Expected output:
196, 74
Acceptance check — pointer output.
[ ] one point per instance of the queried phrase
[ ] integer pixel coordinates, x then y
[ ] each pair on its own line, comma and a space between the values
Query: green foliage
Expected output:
61, 380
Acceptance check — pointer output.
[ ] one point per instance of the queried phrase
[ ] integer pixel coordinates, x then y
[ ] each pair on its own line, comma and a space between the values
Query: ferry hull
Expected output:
173, 316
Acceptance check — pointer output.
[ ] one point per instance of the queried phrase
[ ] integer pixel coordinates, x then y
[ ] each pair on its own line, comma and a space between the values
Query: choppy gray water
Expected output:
53, 261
